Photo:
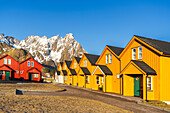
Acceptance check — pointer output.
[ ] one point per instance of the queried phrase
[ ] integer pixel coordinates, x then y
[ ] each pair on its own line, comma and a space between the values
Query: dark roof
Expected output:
161, 46
64, 72
78, 59
58, 72
73, 72
7, 67
61, 64
116, 50
105, 69
68, 63
33, 68
92, 58
146, 68
85, 70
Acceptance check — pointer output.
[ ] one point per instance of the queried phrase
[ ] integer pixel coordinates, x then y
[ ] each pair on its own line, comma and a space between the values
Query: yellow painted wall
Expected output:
74, 80
81, 82
128, 85
165, 79
112, 83
149, 57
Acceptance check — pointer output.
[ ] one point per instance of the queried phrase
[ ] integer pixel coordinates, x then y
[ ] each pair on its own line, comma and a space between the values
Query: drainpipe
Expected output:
105, 83
85, 81
19, 71
120, 78
146, 87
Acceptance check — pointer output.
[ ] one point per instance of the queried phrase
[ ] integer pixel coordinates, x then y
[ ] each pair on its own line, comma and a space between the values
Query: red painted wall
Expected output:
24, 68
14, 64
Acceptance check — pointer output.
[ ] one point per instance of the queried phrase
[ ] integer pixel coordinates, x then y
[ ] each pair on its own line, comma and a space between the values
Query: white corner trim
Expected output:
96, 69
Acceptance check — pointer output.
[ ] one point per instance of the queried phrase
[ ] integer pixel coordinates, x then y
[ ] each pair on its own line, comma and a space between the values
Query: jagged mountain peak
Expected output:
45, 49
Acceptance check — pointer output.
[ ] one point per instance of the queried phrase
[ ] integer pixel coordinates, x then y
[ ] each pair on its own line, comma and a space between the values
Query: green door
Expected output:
31, 76
137, 86
7, 75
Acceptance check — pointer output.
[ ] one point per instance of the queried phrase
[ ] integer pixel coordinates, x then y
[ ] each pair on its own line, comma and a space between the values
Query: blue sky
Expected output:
94, 23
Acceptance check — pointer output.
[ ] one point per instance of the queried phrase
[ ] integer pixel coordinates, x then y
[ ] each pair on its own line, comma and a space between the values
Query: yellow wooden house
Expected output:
87, 66
106, 74
73, 71
65, 69
145, 69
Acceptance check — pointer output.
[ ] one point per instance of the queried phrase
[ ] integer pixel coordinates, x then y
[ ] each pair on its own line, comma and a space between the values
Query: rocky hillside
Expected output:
45, 50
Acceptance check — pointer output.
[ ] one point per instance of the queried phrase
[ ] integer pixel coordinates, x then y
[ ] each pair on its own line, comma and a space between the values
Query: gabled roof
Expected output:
7, 67
146, 68
92, 58
68, 63
28, 59
64, 72
9, 56
61, 64
104, 69
73, 72
85, 71
77, 59
161, 46
139, 65
116, 50
33, 68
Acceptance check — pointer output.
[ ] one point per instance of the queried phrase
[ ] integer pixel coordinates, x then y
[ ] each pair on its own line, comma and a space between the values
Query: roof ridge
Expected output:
152, 39
115, 47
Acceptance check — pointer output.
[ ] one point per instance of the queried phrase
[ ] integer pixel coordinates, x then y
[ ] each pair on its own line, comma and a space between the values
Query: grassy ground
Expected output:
158, 104
48, 104
29, 86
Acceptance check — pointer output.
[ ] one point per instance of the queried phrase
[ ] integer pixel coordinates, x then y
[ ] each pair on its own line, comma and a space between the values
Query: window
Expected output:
139, 52
21, 72
65, 78
106, 59
36, 75
134, 54
75, 64
32, 64
17, 72
2, 72
87, 79
102, 80
60, 67
65, 67
149, 83
85, 63
5, 61
28, 63
97, 79
9, 61
110, 58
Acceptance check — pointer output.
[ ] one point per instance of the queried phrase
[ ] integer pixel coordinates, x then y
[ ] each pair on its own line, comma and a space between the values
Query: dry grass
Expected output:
44, 104
29, 86
158, 104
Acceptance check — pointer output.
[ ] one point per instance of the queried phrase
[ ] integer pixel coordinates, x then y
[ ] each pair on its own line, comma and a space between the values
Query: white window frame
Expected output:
110, 58
21, 72
2, 72
32, 64
87, 79
17, 71
35, 75
97, 80
28, 63
75, 64
5, 61
151, 84
102, 80
133, 54
9, 61
140, 52
65, 78
106, 58
85, 63
65, 67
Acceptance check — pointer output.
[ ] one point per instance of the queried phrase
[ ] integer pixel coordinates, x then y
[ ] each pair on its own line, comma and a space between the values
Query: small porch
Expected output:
33, 74
6, 73
135, 77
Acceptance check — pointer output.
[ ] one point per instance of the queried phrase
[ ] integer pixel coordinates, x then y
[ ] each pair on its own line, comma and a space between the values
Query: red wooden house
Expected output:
9, 68
30, 70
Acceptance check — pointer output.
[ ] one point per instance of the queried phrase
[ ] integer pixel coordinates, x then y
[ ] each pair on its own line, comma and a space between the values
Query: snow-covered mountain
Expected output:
45, 49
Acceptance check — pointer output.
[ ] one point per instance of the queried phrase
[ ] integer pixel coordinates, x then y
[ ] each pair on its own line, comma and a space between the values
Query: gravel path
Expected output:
115, 101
